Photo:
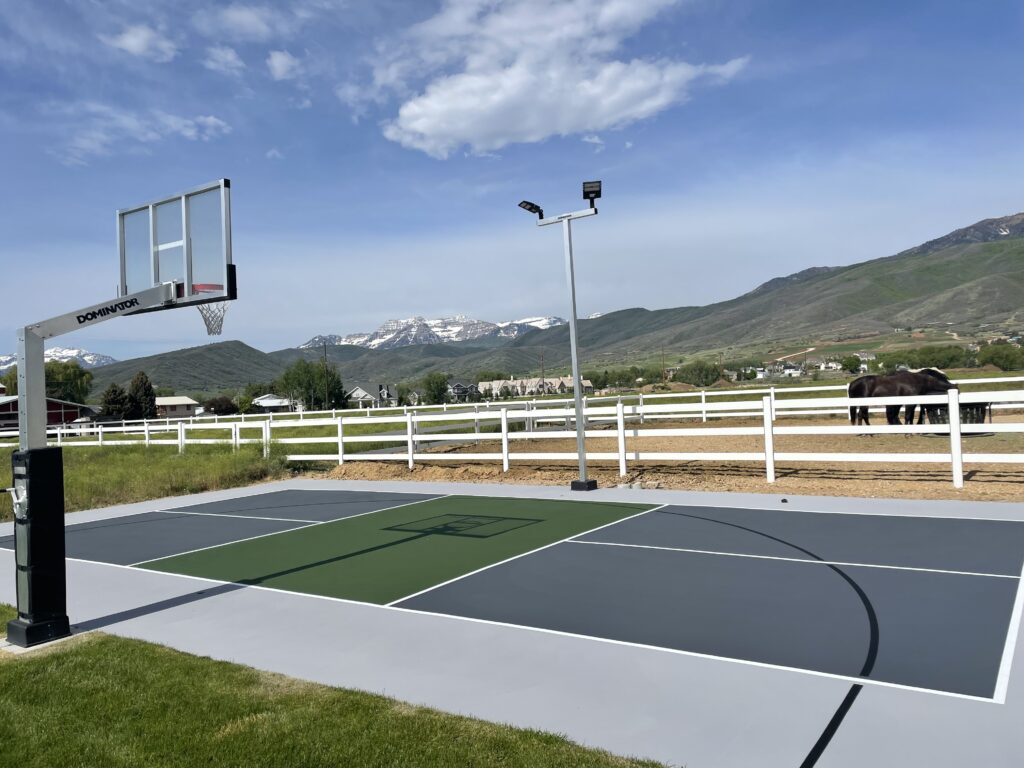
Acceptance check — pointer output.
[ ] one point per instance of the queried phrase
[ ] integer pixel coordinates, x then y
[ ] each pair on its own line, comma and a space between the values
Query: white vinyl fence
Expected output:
497, 428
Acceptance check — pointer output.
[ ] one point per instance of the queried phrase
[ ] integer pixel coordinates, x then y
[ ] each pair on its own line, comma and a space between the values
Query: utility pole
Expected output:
326, 385
543, 384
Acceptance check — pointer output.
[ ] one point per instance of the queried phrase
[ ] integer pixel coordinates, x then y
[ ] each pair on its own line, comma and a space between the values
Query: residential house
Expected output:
271, 403
176, 407
365, 395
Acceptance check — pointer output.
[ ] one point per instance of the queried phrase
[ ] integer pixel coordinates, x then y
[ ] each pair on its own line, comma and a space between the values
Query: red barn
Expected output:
57, 411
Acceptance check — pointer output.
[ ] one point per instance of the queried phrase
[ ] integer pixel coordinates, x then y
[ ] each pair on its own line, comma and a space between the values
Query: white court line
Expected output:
523, 554
1012, 632
242, 517
794, 559
561, 633
840, 512
276, 533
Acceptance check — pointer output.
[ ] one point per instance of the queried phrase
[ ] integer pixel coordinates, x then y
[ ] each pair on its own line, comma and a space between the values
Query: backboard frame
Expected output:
185, 289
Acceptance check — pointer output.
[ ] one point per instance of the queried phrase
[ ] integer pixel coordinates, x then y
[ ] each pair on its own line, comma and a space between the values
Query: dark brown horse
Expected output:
927, 381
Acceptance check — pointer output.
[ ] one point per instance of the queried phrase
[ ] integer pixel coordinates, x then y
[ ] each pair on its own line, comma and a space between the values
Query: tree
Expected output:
699, 373
435, 388
114, 402
10, 380
850, 363
64, 381
221, 405
488, 375
404, 394
164, 391
1004, 356
249, 393
67, 381
318, 385
141, 398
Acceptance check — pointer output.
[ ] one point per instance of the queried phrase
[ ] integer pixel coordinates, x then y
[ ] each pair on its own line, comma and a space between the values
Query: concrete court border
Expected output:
676, 708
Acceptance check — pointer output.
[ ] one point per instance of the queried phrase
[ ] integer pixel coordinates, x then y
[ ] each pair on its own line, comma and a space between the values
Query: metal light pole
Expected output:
591, 192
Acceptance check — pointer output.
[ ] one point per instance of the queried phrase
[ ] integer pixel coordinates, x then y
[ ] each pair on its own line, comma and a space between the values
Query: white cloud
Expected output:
253, 23
224, 59
629, 145
484, 75
144, 41
274, 154
283, 66
594, 139
94, 130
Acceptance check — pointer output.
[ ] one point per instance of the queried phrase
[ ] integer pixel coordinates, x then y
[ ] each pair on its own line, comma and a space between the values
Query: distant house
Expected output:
373, 396
830, 365
461, 393
271, 403
3, 389
57, 411
176, 407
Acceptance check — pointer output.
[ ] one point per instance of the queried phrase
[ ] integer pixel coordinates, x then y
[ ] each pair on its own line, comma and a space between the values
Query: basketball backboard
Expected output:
185, 238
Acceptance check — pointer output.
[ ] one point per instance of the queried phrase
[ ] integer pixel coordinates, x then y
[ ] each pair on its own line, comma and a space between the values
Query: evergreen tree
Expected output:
141, 398
114, 402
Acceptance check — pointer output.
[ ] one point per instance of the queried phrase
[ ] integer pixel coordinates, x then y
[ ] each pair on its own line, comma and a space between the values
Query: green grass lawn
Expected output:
106, 701
390, 554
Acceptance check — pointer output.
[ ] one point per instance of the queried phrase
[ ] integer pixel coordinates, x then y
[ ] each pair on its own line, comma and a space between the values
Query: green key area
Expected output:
383, 556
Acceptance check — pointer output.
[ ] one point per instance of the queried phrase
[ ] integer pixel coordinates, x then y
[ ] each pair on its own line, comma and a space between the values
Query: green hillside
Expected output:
210, 368
971, 278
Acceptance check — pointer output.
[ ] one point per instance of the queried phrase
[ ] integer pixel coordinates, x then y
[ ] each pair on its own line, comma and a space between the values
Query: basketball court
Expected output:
850, 602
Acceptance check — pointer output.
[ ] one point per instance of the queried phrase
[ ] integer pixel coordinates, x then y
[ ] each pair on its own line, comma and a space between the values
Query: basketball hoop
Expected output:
212, 312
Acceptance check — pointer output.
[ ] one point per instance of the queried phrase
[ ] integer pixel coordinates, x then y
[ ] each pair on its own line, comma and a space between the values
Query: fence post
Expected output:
504, 440
181, 437
955, 446
341, 440
772, 396
99, 432
703, 406
641, 407
408, 432
145, 433
769, 440
235, 436
620, 419
476, 419
266, 438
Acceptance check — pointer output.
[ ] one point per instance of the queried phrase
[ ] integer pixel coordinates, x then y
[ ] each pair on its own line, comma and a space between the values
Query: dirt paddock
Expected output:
983, 482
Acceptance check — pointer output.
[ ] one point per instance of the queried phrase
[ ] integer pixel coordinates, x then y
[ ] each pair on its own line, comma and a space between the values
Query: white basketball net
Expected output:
213, 316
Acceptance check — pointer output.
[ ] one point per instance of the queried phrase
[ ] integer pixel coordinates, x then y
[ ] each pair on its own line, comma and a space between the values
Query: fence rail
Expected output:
503, 427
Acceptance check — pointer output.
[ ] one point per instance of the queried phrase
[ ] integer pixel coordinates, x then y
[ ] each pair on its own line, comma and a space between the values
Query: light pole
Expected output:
591, 192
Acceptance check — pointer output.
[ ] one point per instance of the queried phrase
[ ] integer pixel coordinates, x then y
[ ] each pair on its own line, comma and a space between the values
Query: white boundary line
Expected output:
225, 514
561, 633
1012, 633
794, 559
522, 554
841, 512
276, 533
282, 490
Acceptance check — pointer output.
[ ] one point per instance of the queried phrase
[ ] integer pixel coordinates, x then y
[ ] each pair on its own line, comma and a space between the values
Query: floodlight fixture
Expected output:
591, 191
526, 205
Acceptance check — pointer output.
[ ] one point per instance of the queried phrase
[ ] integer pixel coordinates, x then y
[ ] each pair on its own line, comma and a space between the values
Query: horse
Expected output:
927, 381
942, 384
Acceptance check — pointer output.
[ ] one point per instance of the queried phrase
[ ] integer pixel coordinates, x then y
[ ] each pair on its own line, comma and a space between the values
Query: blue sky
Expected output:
377, 150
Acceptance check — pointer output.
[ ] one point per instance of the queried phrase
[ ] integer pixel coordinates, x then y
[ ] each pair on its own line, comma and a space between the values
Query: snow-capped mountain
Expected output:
83, 357
419, 330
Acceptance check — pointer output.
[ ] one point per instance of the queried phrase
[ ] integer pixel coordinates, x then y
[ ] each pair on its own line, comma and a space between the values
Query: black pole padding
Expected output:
39, 549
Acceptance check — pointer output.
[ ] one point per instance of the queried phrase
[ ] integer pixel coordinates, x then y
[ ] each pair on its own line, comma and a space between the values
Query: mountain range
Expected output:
418, 330
83, 357
970, 279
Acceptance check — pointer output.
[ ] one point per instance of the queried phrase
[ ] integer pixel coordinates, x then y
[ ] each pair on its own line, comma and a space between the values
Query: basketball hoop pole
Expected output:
38, 475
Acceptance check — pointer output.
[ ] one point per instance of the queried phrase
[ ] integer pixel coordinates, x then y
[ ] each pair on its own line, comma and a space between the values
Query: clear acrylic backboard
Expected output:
185, 238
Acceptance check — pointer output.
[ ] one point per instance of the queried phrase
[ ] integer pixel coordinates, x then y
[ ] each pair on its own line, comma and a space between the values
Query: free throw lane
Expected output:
387, 555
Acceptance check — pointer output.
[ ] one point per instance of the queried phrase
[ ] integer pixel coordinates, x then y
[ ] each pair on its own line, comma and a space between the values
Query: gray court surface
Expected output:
943, 543
152, 535
938, 631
